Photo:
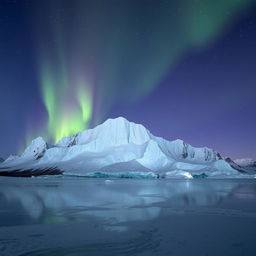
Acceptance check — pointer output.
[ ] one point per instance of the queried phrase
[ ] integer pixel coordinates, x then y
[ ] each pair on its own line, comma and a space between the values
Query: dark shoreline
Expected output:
29, 172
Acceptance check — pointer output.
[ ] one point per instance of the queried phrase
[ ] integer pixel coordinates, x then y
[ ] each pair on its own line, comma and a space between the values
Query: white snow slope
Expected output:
121, 148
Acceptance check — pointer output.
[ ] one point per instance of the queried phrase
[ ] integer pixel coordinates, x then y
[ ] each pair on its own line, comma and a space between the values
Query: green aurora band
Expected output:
97, 56
67, 114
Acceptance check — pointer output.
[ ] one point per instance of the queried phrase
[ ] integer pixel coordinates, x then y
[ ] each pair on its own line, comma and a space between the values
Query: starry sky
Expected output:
184, 69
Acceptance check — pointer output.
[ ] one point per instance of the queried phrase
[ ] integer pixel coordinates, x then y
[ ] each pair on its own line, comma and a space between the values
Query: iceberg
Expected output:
121, 149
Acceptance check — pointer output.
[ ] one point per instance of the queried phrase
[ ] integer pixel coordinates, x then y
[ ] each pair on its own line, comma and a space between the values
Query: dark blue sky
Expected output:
206, 97
214, 102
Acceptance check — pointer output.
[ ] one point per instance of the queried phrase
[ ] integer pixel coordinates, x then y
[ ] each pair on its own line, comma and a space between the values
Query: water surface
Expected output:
78, 216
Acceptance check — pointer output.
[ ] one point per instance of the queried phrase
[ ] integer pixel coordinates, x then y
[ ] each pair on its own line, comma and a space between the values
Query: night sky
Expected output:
184, 69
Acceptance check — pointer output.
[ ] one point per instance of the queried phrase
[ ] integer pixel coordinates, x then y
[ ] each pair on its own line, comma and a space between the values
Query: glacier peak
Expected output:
118, 146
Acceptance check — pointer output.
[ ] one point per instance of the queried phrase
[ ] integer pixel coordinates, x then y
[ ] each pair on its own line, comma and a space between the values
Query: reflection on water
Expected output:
74, 216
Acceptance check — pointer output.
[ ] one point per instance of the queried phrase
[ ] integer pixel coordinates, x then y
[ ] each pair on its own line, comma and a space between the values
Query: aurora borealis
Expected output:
72, 64
68, 111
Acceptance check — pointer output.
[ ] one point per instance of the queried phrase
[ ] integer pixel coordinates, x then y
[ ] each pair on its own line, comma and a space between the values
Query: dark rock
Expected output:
29, 172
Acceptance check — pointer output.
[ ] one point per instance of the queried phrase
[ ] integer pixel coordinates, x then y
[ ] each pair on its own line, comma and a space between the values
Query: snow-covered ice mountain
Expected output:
247, 164
117, 148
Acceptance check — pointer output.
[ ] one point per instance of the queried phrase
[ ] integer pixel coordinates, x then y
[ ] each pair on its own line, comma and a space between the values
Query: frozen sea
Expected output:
78, 216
